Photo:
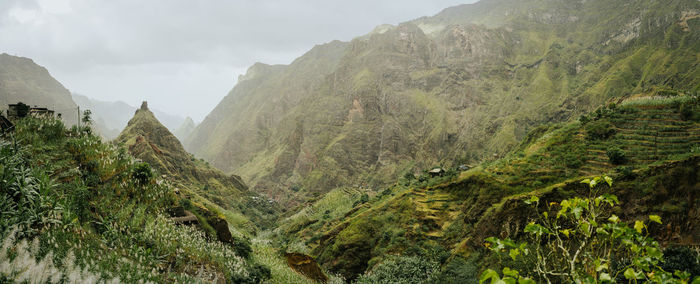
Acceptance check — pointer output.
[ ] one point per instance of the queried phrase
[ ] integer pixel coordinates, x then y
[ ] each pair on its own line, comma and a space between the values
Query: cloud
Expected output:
182, 55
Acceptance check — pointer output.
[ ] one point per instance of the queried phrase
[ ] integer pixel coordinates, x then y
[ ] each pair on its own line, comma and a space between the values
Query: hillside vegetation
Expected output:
446, 220
147, 139
78, 210
463, 85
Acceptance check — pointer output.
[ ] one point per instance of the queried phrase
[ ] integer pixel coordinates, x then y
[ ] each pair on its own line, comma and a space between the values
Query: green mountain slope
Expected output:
458, 87
150, 141
449, 217
22, 80
74, 209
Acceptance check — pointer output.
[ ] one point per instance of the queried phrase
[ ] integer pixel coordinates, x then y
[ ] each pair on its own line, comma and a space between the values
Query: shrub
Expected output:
457, 271
680, 258
401, 269
142, 173
616, 156
689, 111
626, 172
409, 176
599, 130
259, 273
241, 246
580, 240
364, 198
584, 119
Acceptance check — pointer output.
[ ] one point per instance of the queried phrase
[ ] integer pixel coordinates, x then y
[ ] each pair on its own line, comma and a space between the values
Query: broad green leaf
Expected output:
513, 254
536, 229
608, 180
634, 248
630, 274
533, 199
584, 226
638, 225
614, 219
586, 181
566, 232
489, 274
577, 212
601, 231
525, 280
605, 277
655, 218
601, 267
593, 183
510, 272
654, 252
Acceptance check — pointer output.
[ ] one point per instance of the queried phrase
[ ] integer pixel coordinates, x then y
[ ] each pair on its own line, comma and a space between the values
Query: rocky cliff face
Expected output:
22, 80
457, 87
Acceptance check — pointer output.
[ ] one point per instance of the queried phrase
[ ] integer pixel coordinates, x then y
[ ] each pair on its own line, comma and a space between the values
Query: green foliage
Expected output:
85, 202
681, 258
22, 109
580, 240
401, 269
616, 156
142, 173
457, 271
364, 198
689, 110
626, 172
584, 119
26, 200
242, 246
87, 117
599, 130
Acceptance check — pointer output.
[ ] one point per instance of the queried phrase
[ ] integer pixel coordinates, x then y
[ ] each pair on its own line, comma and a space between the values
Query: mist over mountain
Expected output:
111, 117
505, 141
22, 80
457, 87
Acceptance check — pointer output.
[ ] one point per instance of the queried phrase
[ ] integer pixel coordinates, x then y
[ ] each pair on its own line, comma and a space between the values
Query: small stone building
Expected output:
436, 172
41, 112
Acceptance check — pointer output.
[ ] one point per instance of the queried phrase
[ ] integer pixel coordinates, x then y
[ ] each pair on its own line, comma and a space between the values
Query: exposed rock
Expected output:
306, 265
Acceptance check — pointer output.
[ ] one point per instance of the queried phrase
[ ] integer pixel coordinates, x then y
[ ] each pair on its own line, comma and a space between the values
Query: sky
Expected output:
182, 56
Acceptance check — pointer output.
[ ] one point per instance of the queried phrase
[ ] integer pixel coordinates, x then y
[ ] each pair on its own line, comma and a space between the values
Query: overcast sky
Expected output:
182, 56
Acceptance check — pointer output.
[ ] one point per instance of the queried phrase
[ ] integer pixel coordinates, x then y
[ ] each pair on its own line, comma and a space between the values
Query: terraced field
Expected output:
647, 132
436, 208
647, 135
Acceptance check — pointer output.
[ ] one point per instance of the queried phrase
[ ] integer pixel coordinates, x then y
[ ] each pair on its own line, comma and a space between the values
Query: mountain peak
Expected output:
144, 105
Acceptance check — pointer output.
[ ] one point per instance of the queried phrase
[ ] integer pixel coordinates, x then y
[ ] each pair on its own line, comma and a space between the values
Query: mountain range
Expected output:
404, 151
456, 88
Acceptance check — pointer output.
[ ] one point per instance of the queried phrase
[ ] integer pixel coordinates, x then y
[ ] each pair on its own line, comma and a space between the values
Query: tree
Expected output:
616, 156
87, 117
579, 240
142, 173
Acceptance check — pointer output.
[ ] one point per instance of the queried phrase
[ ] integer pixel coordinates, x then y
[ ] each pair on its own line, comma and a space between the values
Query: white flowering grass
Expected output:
19, 264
